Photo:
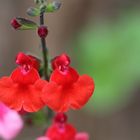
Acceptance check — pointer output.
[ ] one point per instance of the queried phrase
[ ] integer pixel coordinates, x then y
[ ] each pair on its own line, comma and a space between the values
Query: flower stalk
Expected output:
44, 49
45, 60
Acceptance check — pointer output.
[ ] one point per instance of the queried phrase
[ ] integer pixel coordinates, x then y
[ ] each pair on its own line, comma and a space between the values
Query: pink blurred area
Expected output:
10, 123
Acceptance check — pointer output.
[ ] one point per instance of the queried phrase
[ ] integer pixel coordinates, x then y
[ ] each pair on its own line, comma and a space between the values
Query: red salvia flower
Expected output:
62, 130
66, 89
22, 89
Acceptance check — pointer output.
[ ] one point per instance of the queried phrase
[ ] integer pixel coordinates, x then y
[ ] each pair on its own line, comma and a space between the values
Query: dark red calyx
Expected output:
42, 31
60, 118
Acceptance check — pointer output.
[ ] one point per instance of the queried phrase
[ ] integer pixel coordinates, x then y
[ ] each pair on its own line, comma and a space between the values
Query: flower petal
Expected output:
81, 92
61, 98
32, 99
9, 94
52, 96
21, 96
20, 77
64, 78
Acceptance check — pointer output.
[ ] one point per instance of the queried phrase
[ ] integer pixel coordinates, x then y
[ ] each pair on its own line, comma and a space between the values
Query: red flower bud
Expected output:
42, 31
60, 118
15, 24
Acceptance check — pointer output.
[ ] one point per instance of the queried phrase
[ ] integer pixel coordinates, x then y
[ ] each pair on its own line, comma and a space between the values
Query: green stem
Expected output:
44, 50
46, 62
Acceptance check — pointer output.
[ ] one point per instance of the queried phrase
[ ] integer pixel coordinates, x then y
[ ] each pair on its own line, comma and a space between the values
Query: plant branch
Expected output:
44, 50
45, 59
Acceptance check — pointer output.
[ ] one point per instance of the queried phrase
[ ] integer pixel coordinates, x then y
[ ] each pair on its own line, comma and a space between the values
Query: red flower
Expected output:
67, 89
22, 89
61, 130
58, 132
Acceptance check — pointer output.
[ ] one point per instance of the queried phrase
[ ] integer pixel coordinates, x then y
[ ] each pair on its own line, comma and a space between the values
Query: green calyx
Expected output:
52, 7
33, 11
26, 24
43, 8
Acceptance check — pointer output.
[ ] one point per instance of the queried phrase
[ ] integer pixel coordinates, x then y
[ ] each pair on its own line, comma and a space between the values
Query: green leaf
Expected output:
33, 12
26, 24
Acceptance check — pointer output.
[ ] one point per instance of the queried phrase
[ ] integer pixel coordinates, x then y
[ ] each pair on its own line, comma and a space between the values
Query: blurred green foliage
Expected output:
110, 53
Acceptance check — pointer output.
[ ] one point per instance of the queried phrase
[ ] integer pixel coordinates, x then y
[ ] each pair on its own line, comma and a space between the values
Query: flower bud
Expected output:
42, 31
51, 7
60, 118
15, 24
33, 11
23, 24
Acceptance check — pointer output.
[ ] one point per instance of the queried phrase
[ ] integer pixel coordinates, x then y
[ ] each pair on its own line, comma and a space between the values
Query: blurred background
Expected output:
103, 39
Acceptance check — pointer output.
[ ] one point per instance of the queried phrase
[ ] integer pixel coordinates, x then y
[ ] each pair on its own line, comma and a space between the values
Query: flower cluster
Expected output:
62, 130
25, 90
33, 84
22, 89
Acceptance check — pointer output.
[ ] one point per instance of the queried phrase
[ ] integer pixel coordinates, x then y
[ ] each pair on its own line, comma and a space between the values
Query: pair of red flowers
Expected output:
25, 90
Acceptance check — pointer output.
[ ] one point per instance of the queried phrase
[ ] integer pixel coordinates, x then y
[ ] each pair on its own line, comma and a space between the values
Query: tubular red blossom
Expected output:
67, 89
22, 89
61, 130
